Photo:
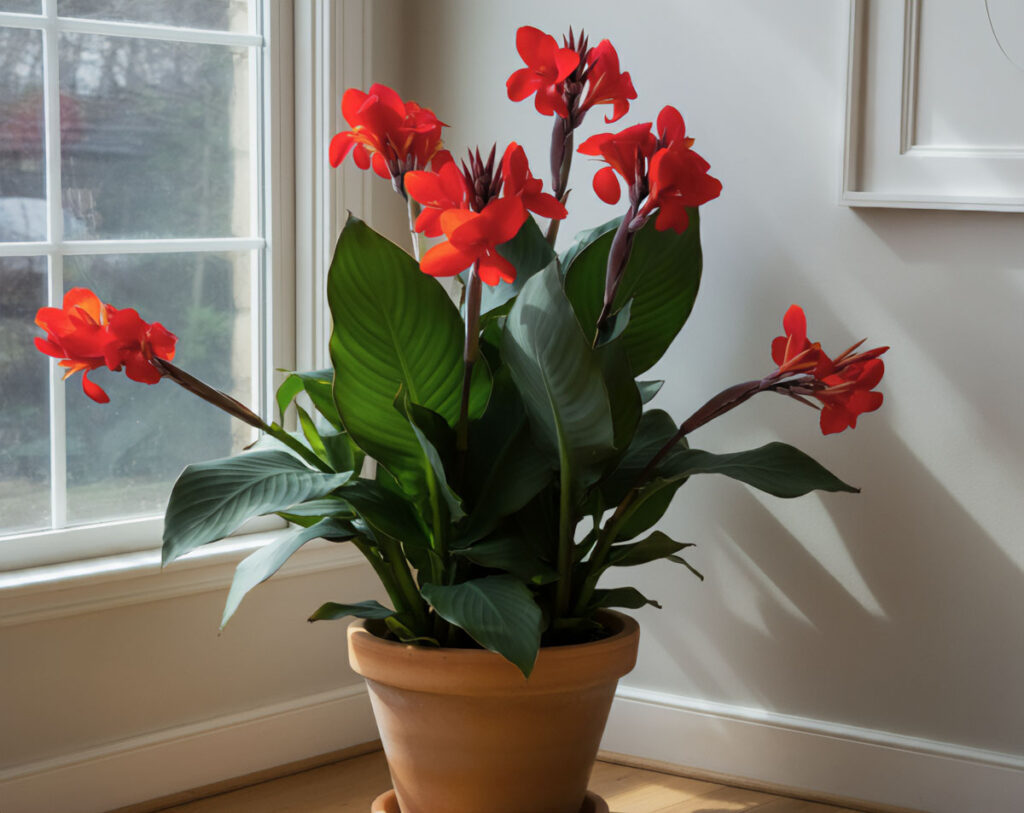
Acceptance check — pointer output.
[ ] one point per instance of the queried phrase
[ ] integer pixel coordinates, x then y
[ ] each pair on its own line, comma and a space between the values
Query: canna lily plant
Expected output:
517, 457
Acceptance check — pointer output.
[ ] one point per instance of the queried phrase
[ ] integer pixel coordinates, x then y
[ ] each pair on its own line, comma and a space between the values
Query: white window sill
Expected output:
71, 588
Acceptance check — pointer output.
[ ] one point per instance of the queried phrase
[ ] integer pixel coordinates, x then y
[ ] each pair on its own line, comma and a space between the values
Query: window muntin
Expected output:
136, 172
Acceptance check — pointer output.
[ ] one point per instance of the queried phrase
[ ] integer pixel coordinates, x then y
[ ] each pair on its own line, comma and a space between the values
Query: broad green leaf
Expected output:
395, 329
775, 468
649, 506
615, 326
504, 468
628, 597
520, 556
211, 499
260, 565
312, 434
529, 252
661, 277
498, 612
361, 609
311, 512
559, 378
656, 546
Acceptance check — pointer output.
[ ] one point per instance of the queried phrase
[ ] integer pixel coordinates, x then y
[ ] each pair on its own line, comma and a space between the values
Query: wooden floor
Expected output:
350, 786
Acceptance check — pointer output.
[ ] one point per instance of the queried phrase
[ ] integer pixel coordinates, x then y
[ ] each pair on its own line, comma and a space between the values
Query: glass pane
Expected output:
22, 6
160, 144
222, 15
124, 456
24, 399
22, 167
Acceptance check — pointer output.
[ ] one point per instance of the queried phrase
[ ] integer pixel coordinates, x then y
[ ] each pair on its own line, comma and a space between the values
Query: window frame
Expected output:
276, 285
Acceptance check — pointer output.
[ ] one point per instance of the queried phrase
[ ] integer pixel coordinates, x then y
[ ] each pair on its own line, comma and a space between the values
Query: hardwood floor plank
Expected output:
351, 785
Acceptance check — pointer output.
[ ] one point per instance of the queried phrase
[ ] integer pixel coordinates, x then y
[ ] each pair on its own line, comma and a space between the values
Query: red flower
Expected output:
519, 182
678, 176
437, 192
391, 135
843, 385
605, 84
547, 67
474, 236
86, 334
626, 153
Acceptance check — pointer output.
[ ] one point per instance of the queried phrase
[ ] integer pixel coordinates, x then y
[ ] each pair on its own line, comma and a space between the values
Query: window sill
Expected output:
71, 588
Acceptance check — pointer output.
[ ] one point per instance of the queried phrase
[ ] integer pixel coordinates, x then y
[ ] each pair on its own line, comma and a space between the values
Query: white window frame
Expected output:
302, 189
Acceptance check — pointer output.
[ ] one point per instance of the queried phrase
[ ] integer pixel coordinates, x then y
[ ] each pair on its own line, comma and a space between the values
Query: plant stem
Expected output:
417, 237
236, 409
471, 350
563, 589
561, 163
618, 257
405, 584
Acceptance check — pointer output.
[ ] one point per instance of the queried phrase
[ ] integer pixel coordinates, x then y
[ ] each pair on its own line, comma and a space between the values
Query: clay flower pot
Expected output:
465, 732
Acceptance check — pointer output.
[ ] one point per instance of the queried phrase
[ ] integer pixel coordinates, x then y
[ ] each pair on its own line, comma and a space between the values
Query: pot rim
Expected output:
443, 670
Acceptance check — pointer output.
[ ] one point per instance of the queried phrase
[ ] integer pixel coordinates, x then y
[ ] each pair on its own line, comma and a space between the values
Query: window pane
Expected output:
222, 15
160, 142
124, 456
24, 399
22, 168
22, 6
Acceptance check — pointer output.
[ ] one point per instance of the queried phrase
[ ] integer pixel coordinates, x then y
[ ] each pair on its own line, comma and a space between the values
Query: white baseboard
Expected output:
828, 758
190, 756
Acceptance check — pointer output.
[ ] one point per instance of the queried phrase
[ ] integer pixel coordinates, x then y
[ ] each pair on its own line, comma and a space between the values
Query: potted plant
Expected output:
517, 457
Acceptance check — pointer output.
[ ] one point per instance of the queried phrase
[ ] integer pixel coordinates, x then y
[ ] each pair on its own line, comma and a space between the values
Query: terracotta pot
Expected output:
465, 732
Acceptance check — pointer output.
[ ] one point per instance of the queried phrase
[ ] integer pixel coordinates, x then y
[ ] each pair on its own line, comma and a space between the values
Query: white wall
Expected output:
897, 612
865, 645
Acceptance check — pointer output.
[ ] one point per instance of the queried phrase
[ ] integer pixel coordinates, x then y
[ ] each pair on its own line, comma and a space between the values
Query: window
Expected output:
133, 161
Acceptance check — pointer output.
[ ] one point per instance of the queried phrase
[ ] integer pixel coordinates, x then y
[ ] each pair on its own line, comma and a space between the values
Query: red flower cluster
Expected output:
665, 170
87, 334
558, 76
388, 134
844, 385
477, 209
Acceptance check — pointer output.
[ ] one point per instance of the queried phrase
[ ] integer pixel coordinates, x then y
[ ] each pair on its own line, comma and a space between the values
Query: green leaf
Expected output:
628, 597
656, 546
361, 609
317, 385
529, 252
615, 326
520, 556
661, 277
655, 428
504, 468
384, 511
559, 378
395, 329
311, 433
623, 395
775, 468
432, 432
583, 240
210, 500
648, 389
650, 506
498, 612
260, 565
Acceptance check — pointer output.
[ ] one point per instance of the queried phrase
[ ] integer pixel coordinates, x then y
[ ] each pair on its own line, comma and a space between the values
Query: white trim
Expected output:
113, 28
57, 591
969, 204
908, 96
332, 52
847, 761
170, 245
178, 759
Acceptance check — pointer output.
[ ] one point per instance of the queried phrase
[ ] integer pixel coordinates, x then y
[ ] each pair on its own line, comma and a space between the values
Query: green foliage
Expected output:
659, 286
471, 523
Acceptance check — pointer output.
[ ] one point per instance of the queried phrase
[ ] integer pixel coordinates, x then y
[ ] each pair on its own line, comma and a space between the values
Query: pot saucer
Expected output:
388, 803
